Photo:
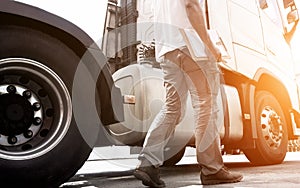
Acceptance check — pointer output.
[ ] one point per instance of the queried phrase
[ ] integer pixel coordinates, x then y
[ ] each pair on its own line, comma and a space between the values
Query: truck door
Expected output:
277, 48
247, 37
217, 13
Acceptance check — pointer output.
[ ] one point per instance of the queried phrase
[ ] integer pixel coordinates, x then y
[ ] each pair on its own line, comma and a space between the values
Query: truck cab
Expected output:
259, 96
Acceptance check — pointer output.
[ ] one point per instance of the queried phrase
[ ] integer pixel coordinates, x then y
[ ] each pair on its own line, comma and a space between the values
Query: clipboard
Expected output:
196, 46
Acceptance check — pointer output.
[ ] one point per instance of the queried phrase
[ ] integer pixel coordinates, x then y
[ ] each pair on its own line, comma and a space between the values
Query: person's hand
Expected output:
218, 55
214, 55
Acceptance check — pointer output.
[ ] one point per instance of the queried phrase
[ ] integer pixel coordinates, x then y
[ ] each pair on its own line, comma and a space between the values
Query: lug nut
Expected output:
28, 134
37, 121
36, 106
27, 94
12, 140
11, 89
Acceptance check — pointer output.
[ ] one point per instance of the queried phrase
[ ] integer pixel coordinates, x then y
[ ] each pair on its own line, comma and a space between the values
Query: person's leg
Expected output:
203, 79
163, 126
203, 82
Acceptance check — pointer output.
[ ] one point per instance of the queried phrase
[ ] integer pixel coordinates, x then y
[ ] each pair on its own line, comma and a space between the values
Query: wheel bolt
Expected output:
12, 140
27, 94
28, 134
37, 121
11, 89
36, 106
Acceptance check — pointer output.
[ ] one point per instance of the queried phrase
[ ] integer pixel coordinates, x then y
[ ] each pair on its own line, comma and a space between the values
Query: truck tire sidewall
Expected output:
174, 158
59, 164
268, 155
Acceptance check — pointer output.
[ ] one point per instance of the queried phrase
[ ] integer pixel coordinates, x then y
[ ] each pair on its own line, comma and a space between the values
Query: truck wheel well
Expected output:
269, 83
103, 78
70, 41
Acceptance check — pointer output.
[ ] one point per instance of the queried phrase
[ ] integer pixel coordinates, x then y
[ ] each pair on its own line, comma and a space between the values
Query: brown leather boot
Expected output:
222, 176
149, 175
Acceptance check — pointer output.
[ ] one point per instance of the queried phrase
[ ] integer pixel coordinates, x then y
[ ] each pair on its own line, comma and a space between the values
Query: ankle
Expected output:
144, 163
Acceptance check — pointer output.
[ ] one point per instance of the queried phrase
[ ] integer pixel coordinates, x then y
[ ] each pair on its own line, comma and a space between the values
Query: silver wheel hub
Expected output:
35, 109
272, 128
21, 115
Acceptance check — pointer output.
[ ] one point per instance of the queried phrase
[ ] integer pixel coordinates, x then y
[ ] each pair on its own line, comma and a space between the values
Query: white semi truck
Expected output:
259, 95
58, 99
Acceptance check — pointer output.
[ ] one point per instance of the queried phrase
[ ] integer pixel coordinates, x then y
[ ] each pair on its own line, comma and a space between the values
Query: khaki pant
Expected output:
182, 75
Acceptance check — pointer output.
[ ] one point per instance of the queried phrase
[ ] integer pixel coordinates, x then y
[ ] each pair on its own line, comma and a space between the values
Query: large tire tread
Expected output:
62, 162
264, 153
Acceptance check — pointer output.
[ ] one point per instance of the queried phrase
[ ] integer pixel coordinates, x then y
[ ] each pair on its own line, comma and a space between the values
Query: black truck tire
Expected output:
40, 143
172, 159
272, 141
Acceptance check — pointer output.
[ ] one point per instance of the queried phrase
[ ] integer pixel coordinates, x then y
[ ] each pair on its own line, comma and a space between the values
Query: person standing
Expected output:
182, 75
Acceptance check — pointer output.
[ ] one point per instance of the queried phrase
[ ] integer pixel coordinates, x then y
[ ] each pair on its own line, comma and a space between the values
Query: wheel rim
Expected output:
272, 128
35, 109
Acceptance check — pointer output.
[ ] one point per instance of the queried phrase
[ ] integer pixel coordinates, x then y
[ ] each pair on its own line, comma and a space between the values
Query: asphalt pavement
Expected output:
113, 166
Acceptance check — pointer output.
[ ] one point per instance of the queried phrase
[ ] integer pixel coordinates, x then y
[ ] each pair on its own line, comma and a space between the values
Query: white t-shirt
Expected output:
169, 17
